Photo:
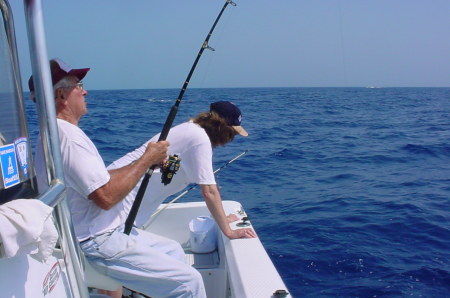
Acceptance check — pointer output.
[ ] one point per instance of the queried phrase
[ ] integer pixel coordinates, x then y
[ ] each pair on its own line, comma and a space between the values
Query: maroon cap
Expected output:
59, 70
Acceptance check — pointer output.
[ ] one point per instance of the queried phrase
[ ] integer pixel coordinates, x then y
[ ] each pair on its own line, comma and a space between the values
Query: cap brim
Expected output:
240, 130
80, 73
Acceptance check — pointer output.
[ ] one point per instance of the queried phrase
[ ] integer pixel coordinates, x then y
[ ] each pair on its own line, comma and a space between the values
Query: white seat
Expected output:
95, 279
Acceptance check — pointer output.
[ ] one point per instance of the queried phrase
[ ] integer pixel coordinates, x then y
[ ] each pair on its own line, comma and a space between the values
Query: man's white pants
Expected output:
144, 262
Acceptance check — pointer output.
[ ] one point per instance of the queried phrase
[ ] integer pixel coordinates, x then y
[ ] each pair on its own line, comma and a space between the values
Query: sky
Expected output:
146, 44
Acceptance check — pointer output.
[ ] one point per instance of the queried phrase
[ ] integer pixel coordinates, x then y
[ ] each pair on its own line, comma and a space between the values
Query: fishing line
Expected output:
342, 41
168, 124
152, 218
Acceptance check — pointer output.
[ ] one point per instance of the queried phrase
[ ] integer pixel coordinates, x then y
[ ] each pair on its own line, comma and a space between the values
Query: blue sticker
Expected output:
21, 145
8, 163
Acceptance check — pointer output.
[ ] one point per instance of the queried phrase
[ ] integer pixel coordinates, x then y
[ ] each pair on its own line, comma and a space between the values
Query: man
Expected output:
141, 261
193, 142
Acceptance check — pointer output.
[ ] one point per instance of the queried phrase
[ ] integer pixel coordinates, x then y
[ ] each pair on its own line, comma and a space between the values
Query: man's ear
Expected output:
59, 94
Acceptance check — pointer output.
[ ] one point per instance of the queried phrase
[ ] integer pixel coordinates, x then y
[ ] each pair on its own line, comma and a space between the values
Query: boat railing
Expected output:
49, 135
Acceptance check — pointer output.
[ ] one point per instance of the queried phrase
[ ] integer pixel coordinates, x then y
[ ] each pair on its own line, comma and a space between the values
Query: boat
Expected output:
233, 268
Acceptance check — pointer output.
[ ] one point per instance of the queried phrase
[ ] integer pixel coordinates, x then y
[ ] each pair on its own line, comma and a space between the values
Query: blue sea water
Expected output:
348, 188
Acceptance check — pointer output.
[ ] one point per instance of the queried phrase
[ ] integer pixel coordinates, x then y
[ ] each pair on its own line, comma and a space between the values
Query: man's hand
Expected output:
156, 153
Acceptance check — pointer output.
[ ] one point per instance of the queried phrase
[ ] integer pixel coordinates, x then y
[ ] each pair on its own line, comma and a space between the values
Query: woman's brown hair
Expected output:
219, 132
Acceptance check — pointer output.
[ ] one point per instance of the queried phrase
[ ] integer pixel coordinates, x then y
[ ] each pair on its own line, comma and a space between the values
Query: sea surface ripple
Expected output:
348, 188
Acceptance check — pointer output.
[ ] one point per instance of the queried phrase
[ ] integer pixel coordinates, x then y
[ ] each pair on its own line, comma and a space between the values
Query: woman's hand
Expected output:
243, 233
232, 217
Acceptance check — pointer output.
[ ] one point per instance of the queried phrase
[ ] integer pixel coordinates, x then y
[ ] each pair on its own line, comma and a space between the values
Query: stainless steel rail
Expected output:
55, 196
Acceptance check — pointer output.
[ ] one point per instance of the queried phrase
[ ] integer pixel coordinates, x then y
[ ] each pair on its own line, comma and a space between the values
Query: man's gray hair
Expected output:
63, 83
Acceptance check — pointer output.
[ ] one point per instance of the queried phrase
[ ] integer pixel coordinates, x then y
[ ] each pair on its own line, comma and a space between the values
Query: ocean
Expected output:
348, 188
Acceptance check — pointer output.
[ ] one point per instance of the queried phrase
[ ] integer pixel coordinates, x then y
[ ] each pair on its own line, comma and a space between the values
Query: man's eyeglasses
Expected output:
78, 85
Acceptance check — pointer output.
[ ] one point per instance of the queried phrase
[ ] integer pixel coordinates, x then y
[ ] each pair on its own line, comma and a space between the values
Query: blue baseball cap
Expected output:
231, 114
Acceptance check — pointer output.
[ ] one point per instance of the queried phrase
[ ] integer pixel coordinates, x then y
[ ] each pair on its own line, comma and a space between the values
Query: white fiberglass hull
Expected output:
23, 276
239, 268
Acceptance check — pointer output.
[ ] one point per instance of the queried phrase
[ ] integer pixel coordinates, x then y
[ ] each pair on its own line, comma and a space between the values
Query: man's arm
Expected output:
214, 202
124, 179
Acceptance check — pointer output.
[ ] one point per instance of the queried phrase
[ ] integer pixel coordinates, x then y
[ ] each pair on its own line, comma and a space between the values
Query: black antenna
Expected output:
167, 125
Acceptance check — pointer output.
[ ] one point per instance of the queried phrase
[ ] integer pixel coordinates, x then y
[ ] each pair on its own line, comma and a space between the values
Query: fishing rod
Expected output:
144, 226
168, 124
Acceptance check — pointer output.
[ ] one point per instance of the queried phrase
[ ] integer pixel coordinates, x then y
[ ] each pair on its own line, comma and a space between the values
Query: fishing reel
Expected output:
169, 168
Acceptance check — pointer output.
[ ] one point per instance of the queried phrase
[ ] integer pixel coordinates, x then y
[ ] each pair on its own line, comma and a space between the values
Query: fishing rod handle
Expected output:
137, 203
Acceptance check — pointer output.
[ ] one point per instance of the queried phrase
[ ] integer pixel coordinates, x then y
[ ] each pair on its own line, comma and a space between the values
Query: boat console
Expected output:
16, 172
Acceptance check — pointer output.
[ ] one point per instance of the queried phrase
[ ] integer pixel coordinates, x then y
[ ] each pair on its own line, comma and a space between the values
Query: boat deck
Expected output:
238, 268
